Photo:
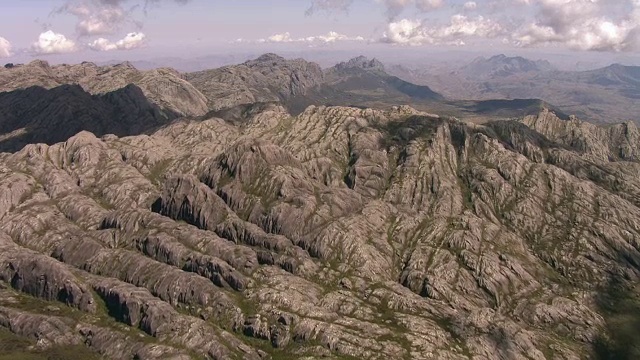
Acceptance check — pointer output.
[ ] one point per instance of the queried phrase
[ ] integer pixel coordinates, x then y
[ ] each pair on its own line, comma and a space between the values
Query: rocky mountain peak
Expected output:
502, 65
163, 87
624, 71
125, 65
362, 62
498, 57
268, 58
39, 64
614, 142
269, 78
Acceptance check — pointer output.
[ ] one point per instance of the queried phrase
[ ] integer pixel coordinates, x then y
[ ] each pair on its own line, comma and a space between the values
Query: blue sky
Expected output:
81, 29
171, 23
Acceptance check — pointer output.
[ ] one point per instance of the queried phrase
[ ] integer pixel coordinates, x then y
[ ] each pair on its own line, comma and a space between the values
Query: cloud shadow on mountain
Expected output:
39, 115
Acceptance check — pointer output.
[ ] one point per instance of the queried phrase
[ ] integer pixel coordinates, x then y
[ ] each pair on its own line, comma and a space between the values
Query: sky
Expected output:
77, 30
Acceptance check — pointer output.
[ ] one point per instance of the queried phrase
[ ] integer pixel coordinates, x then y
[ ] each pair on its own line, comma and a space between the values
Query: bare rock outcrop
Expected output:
341, 232
49, 104
268, 78
165, 88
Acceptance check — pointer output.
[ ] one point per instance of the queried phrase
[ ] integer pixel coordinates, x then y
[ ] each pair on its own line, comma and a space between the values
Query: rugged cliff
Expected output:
297, 84
49, 104
165, 88
338, 233
268, 78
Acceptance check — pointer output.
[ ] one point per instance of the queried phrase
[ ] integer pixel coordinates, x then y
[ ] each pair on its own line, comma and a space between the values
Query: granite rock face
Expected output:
36, 114
361, 62
269, 78
164, 87
48, 104
338, 233
297, 83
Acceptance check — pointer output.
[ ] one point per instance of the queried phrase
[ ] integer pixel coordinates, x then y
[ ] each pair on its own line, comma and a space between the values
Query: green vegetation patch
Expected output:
619, 303
14, 347
401, 133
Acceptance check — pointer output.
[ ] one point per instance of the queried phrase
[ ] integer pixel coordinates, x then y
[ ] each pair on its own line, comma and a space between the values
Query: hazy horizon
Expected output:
572, 34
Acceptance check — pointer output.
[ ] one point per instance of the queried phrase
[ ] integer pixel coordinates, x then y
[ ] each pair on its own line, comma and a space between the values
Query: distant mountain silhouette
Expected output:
605, 95
612, 75
361, 74
502, 65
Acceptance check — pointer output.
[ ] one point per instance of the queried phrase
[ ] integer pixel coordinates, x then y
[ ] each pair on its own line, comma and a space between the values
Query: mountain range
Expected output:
604, 95
502, 65
277, 210
122, 100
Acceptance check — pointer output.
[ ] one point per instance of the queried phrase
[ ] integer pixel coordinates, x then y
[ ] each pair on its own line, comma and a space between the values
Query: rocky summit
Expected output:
48, 104
337, 233
266, 79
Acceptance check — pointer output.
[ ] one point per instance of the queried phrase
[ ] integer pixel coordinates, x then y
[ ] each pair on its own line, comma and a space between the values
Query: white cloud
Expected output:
470, 5
52, 43
101, 17
96, 17
131, 41
404, 31
5, 48
599, 25
462, 25
582, 25
330, 37
413, 32
102, 44
104, 21
278, 38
